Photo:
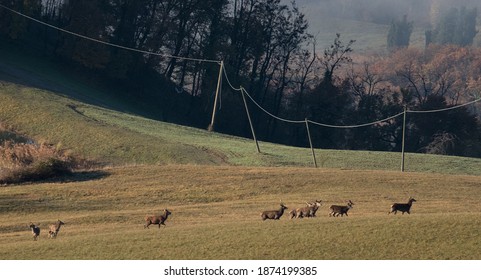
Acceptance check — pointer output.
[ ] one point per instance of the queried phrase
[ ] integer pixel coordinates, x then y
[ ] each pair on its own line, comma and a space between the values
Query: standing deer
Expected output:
35, 231
336, 210
274, 214
403, 207
54, 229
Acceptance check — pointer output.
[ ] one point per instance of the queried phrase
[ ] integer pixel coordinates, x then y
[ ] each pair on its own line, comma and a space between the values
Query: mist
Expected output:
422, 12
367, 21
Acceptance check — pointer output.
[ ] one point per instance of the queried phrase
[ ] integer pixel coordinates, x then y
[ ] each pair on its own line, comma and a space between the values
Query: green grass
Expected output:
118, 138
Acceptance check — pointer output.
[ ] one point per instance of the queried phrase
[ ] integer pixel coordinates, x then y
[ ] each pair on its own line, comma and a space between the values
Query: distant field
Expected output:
216, 215
370, 38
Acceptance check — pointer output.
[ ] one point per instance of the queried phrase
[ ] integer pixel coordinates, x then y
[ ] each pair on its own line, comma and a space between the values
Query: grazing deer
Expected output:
157, 220
403, 207
35, 231
274, 214
54, 229
336, 210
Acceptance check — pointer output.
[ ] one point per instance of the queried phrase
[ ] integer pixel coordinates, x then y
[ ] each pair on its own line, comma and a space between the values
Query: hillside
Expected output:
43, 101
216, 185
117, 138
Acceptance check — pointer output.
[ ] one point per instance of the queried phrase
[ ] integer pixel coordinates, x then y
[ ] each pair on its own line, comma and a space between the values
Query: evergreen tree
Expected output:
399, 34
458, 27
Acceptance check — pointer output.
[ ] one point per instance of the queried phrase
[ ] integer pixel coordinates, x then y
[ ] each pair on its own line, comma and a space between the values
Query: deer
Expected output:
54, 229
157, 220
310, 210
403, 207
336, 210
292, 213
274, 214
35, 231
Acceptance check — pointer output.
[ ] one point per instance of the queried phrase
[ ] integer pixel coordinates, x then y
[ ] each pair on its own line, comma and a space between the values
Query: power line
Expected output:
313, 122
107, 43
346, 126
445, 109
357, 125
229, 82
269, 113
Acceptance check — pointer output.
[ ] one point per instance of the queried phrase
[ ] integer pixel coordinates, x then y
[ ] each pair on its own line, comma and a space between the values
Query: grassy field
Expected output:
216, 215
216, 186
123, 139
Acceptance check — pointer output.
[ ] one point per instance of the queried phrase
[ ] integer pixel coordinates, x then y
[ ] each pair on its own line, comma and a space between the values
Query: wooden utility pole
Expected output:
250, 121
217, 91
310, 143
403, 139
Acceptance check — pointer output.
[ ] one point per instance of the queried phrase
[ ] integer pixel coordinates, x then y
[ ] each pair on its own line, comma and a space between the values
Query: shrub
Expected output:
28, 161
40, 170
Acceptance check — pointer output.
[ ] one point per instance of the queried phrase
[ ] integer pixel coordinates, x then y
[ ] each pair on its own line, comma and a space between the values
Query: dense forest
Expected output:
266, 48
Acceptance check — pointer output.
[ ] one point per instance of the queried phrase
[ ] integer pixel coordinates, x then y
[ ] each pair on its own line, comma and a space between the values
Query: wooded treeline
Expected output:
266, 49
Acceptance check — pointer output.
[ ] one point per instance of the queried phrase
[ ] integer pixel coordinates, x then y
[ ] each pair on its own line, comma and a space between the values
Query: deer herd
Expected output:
307, 211
334, 210
52, 233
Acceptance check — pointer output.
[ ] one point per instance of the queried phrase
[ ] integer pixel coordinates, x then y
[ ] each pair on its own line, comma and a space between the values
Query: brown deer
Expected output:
403, 207
310, 210
336, 210
54, 229
157, 220
35, 231
273, 214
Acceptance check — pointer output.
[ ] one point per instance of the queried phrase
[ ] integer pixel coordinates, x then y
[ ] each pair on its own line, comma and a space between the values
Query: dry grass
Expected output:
216, 206
216, 215
25, 162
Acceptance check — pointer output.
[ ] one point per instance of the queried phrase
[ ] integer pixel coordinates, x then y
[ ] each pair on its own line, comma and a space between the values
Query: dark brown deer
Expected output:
54, 229
157, 220
273, 214
403, 207
35, 231
336, 210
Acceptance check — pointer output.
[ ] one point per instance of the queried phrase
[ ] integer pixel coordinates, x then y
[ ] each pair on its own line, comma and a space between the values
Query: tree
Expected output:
14, 26
85, 52
457, 26
399, 34
451, 132
329, 101
334, 57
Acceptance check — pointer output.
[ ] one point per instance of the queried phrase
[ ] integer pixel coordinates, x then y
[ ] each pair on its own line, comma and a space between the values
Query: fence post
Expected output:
310, 143
218, 89
403, 139
250, 121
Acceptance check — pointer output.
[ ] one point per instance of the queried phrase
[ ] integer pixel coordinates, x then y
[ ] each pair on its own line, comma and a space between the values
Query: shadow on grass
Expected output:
79, 176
